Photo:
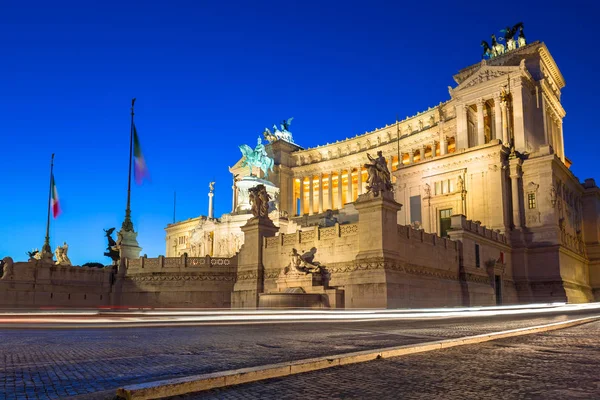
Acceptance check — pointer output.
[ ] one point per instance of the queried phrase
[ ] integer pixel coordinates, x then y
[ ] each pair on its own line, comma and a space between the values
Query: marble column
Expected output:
497, 117
234, 197
349, 198
462, 126
503, 111
516, 115
301, 210
515, 175
339, 190
330, 191
311, 195
359, 181
422, 153
411, 156
561, 139
211, 207
480, 123
443, 145
320, 192
433, 149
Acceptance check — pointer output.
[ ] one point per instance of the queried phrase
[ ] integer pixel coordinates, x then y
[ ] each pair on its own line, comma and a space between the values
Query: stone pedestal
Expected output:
128, 245
243, 201
250, 273
377, 225
299, 290
299, 280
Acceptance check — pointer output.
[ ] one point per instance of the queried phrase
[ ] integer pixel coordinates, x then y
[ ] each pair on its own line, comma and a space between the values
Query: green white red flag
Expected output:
54, 202
140, 170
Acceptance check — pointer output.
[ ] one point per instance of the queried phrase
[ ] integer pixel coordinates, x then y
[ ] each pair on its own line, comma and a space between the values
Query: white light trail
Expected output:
142, 317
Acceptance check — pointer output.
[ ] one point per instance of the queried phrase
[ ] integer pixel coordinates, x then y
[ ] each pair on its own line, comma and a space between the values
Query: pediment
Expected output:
485, 73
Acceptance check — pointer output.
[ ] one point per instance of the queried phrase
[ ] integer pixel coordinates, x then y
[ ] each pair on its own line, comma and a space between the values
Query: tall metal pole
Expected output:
127, 224
46, 248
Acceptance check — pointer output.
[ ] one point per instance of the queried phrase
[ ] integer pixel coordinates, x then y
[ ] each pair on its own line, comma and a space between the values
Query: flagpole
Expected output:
46, 248
398, 135
127, 224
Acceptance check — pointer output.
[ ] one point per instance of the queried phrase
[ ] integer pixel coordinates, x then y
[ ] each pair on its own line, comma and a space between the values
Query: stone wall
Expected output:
423, 270
38, 284
484, 255
198, 282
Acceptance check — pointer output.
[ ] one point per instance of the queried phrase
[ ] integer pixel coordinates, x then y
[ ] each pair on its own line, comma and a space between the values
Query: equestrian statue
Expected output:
257, 158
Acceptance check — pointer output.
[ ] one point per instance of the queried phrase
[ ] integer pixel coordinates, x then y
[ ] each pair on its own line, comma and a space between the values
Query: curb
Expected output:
198, 383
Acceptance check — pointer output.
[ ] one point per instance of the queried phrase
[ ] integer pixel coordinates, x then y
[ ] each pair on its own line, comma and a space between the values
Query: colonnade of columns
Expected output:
323, 191
500, 124
443, 145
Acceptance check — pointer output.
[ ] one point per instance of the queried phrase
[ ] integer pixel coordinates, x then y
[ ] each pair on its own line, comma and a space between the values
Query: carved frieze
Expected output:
223, 277
377, 264
289, 239
306, 236
346, 230
327, 233
484, 76
272, 241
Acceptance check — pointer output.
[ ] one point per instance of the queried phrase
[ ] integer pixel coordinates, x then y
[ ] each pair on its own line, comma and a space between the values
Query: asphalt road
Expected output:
64, 363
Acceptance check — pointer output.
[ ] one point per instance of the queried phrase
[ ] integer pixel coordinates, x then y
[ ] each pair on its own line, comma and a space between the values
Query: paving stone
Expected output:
43, 364
556, 365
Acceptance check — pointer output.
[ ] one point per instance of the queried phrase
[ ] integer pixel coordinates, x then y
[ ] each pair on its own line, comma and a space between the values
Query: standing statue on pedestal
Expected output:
113, 252
379, 179
259, 200
61, 254
257, 158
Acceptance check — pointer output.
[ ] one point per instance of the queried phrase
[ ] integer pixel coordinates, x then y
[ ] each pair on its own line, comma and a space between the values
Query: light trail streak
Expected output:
264, 316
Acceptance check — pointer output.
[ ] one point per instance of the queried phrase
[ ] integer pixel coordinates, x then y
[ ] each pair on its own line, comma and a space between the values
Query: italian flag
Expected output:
140, 170
54, 203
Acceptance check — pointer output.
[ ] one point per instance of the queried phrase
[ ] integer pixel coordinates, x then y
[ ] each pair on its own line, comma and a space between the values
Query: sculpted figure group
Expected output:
259, 200
257, 158
61, 255
496, 48
304, 263
379, 179
277, 134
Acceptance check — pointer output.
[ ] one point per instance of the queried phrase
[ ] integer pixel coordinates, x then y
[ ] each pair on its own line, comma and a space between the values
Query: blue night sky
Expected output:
209, 76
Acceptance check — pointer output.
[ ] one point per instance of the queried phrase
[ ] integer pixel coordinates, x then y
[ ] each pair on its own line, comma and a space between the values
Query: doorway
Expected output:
498, 289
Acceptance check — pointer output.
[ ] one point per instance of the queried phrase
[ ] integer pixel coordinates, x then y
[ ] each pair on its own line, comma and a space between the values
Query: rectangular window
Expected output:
531, 200
438, 188
477, 259
450, 186
445, 221
415, 209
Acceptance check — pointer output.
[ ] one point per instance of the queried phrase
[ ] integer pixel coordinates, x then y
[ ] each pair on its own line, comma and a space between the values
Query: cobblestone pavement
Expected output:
51, 364
562, 364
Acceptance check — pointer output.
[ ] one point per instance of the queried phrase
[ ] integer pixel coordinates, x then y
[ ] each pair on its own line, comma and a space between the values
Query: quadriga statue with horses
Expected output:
497, 49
